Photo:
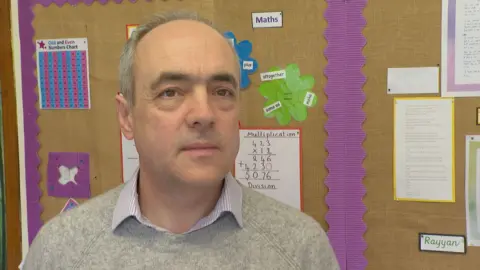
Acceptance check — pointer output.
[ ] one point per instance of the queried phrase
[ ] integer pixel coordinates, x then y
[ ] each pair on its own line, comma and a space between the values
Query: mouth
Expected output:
200, 149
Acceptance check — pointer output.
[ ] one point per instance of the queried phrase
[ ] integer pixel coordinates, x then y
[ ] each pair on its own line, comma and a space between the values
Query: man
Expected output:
179, 100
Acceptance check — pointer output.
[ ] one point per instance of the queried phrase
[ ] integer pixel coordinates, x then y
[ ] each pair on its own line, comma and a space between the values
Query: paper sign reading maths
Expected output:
267, 19
442, 243
274, 75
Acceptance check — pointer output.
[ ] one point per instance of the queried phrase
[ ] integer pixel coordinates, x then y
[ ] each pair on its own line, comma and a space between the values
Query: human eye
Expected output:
223, 92
169, 93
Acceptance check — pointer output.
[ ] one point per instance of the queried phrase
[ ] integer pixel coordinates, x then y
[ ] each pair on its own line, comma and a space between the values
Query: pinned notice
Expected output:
309, 98
63, 73
417, 80
68, 175
273, 75
267, 19
272, 107
442, 243
248, 65
269, 161
424, 168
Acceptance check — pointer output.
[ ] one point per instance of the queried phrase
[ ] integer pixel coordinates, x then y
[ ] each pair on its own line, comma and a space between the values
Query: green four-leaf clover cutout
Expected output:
288, 97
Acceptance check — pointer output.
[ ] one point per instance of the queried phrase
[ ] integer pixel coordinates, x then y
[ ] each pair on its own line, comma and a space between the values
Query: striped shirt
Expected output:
230, 201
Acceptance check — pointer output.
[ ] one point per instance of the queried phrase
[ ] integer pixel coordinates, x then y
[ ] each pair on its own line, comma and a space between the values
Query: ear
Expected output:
124, 115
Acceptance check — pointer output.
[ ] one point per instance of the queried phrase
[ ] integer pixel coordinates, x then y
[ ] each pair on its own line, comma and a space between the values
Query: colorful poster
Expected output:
269, 161
63, 73
288, 94
460, 50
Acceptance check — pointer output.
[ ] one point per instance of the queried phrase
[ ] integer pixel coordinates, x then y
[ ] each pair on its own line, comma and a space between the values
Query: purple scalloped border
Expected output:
344, 144
356, 227
30, 115
335, 34
60, 3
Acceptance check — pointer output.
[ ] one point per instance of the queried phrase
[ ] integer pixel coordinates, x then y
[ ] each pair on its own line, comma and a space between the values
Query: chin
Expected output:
202, 176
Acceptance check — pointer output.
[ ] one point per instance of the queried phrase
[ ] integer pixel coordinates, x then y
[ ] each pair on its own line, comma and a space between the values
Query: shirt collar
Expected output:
230, 201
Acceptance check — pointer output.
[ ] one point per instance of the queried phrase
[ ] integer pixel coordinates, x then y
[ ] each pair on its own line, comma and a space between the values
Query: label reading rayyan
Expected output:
442, 243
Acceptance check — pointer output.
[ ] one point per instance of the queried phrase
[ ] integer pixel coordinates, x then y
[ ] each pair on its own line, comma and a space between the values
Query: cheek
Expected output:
231, 134
155, 128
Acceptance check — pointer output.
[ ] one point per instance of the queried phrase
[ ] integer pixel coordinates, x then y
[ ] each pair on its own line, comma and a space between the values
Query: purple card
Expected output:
68, 175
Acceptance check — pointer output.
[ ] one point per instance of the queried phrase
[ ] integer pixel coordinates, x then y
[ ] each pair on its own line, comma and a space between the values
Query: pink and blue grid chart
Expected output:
63, 73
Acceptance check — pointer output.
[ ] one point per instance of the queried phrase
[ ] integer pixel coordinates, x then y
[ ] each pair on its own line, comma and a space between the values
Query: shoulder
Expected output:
299, 235
267, 212
69, 233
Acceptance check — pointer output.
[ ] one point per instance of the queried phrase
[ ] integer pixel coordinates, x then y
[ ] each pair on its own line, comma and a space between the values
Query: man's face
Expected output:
185, 118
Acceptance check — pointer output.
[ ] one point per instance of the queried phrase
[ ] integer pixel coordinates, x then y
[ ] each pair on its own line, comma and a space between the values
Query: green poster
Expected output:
288, 94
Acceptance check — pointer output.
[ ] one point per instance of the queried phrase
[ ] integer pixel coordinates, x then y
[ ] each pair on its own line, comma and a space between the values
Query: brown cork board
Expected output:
406, 33
96, 131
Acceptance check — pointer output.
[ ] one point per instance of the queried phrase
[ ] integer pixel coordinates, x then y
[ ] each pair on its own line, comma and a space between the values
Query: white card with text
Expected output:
267, 19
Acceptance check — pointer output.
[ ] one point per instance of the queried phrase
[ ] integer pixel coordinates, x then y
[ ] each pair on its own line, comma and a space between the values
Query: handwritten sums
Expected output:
268, 161
259, 166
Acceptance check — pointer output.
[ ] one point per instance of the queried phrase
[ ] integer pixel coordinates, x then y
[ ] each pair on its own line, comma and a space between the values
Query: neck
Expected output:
173, 205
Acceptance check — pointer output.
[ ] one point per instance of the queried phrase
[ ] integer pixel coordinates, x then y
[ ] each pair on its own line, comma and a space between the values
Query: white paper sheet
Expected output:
472, 188
129, 158
415, 80
269, 162
423, 149
460, 48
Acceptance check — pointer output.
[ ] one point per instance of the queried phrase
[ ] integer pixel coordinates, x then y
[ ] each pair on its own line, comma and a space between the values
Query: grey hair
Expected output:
127, 58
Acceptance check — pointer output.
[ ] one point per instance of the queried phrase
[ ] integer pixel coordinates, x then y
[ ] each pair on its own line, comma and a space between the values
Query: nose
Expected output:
201, 114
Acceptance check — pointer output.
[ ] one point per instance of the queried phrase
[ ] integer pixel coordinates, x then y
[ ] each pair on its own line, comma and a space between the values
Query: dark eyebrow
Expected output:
224, 77
169, 77
178, 76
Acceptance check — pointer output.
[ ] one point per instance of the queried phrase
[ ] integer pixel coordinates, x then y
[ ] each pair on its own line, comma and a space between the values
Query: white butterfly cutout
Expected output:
67, 175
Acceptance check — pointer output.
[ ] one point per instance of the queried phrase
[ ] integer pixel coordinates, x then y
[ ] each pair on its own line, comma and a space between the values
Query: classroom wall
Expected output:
392, 226
272, 48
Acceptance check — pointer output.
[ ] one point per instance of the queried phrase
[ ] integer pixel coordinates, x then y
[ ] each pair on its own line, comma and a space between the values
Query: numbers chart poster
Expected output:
63, 73
269, 161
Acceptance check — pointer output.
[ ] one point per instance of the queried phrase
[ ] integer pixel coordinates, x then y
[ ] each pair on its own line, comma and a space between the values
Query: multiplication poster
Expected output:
63, 74
269, 161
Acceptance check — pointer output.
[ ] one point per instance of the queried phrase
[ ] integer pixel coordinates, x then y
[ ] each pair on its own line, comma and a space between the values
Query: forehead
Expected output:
184, 46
